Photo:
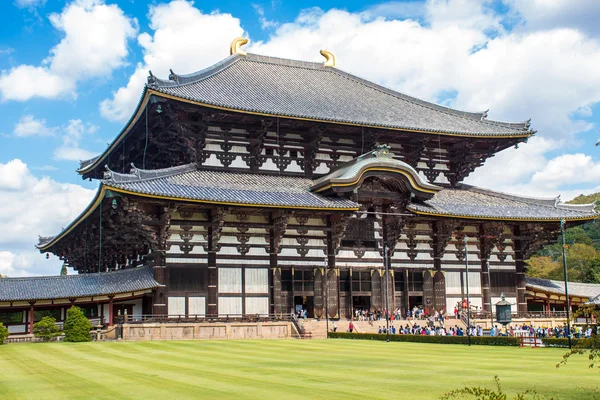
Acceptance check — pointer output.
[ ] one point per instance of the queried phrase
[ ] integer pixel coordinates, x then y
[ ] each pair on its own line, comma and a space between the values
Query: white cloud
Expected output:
94, 44
73, 133
184, 39
568, 168
551, 14
29, 3
26, 81
28, 125
264, 22
33, 206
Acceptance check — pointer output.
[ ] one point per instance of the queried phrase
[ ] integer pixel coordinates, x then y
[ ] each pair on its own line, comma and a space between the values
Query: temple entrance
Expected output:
305, 303
361, 302
415, 301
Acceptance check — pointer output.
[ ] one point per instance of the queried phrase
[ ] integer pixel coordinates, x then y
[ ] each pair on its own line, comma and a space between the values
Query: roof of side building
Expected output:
73, 286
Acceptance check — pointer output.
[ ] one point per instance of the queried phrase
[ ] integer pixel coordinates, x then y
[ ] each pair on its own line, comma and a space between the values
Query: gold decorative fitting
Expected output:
236, 46
329, 58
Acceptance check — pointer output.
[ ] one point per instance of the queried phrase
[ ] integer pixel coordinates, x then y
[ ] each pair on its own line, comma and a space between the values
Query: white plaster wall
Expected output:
257, 280
257, 305
176, 306
230, 306
230, 280
196, 306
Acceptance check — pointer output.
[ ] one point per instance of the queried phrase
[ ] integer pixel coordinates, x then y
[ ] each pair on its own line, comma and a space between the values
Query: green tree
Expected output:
46, 328
544, 267
3, 333
77, 327
63, 270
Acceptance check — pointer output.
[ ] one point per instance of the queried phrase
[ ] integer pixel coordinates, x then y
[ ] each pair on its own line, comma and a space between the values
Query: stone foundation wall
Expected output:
206, 331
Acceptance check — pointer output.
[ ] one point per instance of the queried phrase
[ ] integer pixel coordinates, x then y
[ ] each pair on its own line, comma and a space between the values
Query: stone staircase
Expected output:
313, 329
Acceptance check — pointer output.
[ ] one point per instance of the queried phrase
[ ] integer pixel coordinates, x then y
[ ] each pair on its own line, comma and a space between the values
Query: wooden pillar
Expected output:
439, 289
485, 271
406, 295
332, 284
31, 317
277, 306
110, 310
428, 291
520, 266
159, 303
213, 276
319, 294
333, 292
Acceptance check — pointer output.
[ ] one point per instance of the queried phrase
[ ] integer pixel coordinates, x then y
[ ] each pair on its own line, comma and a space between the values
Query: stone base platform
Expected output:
208, 331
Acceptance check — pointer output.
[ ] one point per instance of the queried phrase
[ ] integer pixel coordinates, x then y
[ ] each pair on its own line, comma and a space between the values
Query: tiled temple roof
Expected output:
293, 89
73, 286
472, 202
188, 183
307, 90
576, 289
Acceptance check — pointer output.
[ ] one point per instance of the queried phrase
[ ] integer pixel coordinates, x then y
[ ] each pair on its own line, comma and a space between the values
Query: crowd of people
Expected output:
417, 312
578, 332
431, 330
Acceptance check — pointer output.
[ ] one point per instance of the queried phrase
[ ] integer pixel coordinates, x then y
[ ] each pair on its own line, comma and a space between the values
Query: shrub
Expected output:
77, 326
480, 340
46, 328
3, 333
478, 392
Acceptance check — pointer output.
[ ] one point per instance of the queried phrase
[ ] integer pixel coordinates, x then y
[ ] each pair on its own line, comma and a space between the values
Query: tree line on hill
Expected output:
582, 248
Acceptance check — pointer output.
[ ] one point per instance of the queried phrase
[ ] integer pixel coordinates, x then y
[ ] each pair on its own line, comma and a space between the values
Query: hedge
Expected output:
562, 342
481, 340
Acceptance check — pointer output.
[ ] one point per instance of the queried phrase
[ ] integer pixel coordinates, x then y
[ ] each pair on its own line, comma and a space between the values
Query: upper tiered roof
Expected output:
277, 87
306, 90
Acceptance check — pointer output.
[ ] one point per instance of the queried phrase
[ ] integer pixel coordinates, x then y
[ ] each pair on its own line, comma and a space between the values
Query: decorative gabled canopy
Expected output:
381, 163
472, 202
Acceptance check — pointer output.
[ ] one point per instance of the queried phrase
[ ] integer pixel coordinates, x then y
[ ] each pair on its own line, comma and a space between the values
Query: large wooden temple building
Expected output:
261, 185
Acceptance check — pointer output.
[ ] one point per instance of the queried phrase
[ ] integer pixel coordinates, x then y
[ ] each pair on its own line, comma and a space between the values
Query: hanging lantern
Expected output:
503, 311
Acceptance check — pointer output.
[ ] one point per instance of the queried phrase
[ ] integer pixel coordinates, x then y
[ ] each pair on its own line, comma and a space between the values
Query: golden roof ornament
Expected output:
329, 58
236, 46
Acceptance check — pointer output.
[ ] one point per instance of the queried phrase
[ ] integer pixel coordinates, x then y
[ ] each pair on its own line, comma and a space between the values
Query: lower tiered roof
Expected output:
188, 184
467, 201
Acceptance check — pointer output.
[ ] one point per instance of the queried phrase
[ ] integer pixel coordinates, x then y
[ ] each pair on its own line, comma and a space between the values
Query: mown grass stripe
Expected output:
290, 369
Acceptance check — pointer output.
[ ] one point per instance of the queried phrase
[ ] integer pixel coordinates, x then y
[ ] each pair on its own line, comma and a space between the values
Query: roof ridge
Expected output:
176, 80
141, 175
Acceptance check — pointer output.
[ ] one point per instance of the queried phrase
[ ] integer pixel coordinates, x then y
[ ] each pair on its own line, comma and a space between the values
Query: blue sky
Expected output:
71, 72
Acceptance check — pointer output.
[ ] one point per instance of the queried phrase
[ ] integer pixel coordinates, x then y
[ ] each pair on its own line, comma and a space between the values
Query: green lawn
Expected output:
281, 369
